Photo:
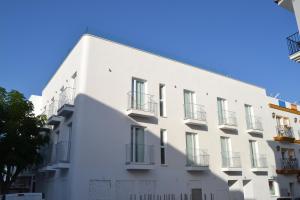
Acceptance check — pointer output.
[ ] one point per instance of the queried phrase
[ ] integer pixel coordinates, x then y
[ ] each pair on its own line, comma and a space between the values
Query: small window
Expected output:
163, 145
272, 187
162, 100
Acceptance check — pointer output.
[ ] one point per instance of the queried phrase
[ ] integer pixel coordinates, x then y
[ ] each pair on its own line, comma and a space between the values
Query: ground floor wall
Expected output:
138, 185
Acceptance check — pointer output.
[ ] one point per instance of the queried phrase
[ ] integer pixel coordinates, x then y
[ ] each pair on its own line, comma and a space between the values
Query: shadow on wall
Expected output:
118, 157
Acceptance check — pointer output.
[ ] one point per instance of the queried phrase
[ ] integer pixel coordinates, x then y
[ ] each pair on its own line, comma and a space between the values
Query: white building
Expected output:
285, 144
127, 123
293, 40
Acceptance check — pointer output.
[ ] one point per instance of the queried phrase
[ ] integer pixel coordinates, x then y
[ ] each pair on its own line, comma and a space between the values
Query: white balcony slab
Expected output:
196, 168
61, 165
254, 131
139, 113
47, 168
195, 122
295, 56
66, 110
138, 166
228, 127
259, 169
231, 169
54, 120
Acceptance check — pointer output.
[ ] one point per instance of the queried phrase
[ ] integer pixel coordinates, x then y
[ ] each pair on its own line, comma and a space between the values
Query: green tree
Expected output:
20, 137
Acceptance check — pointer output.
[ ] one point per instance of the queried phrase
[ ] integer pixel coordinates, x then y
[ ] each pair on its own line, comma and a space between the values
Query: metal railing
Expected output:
194, 111
66, 97
197, 158
52, 109
227, 118
293, 42
231, 160
255, 123
259, 161
285, 131
139, 154
142, 102
289, 163
62, 152
47, 154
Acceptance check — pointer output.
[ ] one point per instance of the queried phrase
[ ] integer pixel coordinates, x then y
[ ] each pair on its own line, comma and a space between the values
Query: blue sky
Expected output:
244, 39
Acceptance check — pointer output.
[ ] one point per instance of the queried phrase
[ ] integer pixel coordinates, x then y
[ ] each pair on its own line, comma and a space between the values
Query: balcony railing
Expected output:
197, 158
285, 131
227, 118
259, 161
52, 109
231, 160
289, 163
139, 154
62, 150
255, 123
47, 155
194, 112
66, 97
141, 102
293, 42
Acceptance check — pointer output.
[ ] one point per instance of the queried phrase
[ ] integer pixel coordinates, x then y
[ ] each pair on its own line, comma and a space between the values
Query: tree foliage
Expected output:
20, 137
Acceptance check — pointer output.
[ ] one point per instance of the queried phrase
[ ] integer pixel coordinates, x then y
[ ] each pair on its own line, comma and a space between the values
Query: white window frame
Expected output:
163, 145
162, 100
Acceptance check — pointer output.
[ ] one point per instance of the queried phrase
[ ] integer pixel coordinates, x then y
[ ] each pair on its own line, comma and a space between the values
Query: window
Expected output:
137, 144
226, 152
272, 187
162, 100
191, 148
222, 104
69, 132
138, 94
254, 153
189, 99
163, 145
249, 116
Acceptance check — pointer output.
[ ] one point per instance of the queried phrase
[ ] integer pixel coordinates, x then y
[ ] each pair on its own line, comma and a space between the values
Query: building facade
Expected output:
127, 124
293, 39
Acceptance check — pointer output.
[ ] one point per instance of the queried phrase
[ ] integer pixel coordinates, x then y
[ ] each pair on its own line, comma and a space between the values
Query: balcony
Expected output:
287, 4
62, 153
197, 160
254, 126
227, 120
141, 105
293, 43
231, 162
259, 163
284, 134
48, 159
139, 157
194, 115
288, 166
53, 118
297, 141
66, 102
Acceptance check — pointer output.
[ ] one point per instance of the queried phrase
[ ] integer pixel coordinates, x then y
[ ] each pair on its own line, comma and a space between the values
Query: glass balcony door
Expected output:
249, 116
254, 153
138, 90
189, 104
191, 149
226, 152
222, 111
137, 145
